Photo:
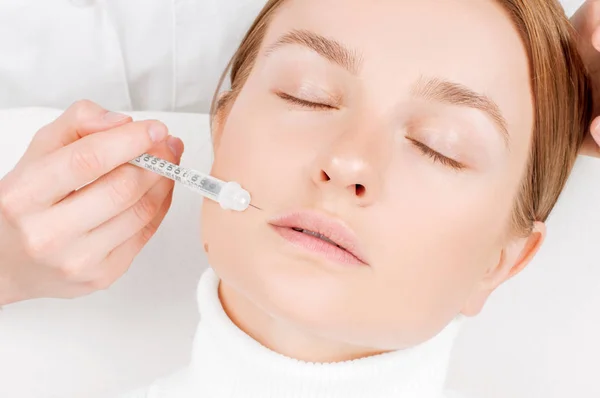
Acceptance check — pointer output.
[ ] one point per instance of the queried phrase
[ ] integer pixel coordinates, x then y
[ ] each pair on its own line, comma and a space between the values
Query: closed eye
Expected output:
436, 156
304, 103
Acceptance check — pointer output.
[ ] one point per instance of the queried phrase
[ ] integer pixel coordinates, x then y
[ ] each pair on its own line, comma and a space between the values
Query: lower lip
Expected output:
318, 246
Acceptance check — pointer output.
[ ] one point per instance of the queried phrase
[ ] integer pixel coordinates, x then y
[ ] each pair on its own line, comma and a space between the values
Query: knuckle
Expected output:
145, 209
38, 244
72, 269
85, 161
83, 108
147, 233
43, 132
122, 190
9, 203
69, 272
101, 284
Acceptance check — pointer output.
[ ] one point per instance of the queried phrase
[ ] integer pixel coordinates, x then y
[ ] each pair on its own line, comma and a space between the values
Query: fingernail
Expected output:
175, 145
158, 132
114, 117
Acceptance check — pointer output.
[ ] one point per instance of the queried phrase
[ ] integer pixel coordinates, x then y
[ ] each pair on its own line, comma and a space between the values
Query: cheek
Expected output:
226, 234
435, 244
256, 150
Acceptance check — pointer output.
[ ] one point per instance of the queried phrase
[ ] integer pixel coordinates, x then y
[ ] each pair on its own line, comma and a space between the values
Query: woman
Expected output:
406, 155
28, 267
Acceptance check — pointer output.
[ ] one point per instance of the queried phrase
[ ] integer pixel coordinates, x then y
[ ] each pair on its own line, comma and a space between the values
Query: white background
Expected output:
536, 338
571, 5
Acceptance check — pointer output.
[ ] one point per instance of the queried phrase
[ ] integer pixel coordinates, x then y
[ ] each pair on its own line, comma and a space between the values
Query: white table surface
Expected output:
538, 336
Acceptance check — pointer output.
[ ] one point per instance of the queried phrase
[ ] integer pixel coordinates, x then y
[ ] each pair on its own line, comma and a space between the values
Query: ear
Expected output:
515, 256
220, 116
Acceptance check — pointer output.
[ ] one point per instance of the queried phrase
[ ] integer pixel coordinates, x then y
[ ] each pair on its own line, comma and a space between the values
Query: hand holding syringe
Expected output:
230, 195
72, 216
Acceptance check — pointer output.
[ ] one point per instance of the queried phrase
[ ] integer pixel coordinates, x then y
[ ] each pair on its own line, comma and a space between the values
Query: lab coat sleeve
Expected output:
53, 53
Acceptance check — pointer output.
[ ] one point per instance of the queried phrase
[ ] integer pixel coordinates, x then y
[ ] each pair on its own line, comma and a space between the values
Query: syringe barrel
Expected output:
230, 195
206, 185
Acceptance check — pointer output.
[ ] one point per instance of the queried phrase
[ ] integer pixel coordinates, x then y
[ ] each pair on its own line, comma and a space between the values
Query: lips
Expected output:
320, 234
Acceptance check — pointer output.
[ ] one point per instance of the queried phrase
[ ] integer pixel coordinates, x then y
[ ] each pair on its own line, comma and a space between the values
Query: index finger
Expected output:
49, 180
79, 120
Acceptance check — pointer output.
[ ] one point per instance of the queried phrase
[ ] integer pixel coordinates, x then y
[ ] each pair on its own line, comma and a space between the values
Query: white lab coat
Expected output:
123, 54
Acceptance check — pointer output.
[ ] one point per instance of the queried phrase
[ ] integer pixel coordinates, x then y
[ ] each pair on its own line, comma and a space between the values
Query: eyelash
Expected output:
436, 156
304, 103
425, 150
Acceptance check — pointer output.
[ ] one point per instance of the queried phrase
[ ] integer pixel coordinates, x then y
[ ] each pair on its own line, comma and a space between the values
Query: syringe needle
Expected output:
257, 208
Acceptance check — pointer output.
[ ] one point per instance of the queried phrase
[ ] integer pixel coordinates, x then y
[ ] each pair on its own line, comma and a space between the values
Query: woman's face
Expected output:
398, 129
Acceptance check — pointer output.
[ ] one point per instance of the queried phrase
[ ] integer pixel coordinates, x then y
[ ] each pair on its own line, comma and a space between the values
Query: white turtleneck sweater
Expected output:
226, 362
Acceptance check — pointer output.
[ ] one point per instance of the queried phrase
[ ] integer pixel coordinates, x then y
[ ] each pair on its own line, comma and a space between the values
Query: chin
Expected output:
321, 308
315, 299
290, 291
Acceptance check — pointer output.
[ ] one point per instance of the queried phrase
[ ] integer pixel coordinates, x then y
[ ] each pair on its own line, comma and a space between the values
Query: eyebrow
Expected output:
327, 48
444, 91
433, 89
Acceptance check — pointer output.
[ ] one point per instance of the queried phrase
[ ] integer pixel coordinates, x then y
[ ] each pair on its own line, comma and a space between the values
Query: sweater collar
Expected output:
225, 354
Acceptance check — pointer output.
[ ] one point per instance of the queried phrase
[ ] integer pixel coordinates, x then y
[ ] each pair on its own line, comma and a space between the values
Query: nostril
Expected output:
360, 190
324, 176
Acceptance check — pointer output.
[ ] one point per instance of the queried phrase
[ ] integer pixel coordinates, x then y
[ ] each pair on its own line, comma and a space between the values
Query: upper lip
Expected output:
333, 229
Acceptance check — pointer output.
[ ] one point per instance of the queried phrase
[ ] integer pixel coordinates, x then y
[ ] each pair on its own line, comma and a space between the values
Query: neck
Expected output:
228, 361
282, 337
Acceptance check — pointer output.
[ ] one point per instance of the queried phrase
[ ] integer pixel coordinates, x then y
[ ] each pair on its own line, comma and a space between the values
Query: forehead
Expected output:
471, 42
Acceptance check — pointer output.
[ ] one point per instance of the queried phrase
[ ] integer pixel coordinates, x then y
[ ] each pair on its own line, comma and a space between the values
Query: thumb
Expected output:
176, 146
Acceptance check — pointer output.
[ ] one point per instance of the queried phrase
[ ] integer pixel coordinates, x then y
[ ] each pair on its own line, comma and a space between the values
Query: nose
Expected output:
350, 166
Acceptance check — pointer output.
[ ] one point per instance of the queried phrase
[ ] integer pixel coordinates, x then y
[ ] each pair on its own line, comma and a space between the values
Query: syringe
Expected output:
230, 195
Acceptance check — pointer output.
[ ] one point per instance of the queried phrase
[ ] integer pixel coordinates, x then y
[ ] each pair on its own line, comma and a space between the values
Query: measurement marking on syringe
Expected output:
229, 195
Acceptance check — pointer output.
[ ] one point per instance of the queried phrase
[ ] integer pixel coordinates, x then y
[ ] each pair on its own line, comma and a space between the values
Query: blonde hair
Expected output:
560, 87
